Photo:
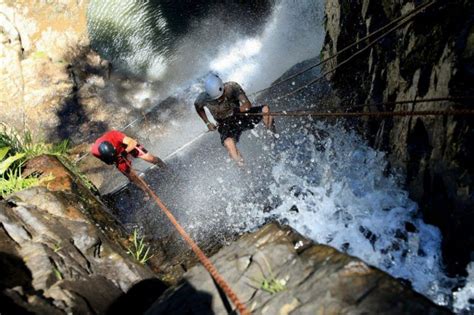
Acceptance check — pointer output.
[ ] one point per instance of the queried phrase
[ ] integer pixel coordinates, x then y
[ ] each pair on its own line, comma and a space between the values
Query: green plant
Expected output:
9, 138
32, 149
57, 247
23, 142
39, 54
15, 149
269, 283
6, 163
12, 181
57, 273
272, 285
139, 250
4, 152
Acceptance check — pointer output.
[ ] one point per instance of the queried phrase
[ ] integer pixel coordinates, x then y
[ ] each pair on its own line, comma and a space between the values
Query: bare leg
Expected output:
234, 153
268, 120
153, 159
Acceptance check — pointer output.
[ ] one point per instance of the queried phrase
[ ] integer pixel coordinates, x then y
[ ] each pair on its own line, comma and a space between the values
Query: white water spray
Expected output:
331, 189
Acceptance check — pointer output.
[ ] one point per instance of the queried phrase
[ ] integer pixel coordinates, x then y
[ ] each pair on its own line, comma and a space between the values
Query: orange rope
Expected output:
360, 51
415, 11
369, 114
199, 253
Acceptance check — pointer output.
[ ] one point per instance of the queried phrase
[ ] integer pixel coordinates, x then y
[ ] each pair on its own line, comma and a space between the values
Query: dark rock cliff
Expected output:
60, 250
430, 56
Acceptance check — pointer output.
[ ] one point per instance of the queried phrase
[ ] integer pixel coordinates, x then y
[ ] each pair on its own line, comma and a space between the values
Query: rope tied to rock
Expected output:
195, 248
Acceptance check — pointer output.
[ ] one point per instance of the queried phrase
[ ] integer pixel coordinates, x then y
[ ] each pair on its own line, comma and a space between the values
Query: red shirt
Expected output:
116, 139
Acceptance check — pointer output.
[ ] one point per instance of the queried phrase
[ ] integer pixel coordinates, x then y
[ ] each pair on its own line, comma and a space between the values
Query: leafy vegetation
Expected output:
269, 283
272, 285
16, 148
57, 273
57, 247
24, 143
139, 250
12, 181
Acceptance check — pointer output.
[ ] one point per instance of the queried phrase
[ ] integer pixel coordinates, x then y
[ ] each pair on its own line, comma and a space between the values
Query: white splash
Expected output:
464, 297
334, 191
331, 189
291, 35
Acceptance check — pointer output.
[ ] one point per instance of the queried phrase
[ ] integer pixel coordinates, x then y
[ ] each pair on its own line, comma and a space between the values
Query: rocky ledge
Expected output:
277, 271
61, 251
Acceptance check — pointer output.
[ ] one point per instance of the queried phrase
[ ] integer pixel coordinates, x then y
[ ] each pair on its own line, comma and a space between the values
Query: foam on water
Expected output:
321, 179
335, 191
464, 297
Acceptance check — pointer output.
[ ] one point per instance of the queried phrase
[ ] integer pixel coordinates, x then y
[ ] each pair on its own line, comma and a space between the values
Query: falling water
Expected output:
322, 179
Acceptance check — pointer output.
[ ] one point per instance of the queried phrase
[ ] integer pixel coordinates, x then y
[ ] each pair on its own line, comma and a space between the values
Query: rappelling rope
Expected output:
415, 11
360, 51
303, 113
313, 113
404, 18
199, 253
415, 101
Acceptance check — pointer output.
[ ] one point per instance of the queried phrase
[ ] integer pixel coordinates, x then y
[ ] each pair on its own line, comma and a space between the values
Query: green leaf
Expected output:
4, 152
4, 165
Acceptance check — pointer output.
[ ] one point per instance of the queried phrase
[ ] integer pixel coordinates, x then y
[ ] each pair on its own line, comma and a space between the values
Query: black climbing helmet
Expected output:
107, 152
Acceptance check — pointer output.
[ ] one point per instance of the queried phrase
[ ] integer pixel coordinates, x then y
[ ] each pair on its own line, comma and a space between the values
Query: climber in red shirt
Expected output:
114, 147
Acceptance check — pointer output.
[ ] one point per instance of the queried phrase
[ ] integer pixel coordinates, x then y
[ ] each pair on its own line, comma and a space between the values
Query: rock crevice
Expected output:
61, 250
428, 57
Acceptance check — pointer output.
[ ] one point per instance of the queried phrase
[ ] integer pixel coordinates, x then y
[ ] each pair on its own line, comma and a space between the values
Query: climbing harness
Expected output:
398, 22
142, 172
195, 248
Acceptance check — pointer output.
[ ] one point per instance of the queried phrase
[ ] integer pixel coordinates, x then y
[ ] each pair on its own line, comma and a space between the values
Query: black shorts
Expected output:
233, 126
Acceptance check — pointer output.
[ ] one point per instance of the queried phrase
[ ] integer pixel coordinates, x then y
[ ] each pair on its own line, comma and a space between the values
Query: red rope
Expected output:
302, 113
199, 253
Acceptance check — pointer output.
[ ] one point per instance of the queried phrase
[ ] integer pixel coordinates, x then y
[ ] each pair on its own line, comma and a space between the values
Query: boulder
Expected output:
276, 271
61, 250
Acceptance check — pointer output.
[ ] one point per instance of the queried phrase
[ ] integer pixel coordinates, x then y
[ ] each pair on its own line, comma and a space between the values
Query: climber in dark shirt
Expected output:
226, 101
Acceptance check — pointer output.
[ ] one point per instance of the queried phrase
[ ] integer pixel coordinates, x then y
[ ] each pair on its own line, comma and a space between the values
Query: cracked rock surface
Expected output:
315, 279
60, 250
431, 56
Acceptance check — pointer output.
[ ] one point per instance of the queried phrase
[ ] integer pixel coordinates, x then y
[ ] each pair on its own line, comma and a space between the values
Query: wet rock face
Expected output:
312, 279
60, 249
431, 56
